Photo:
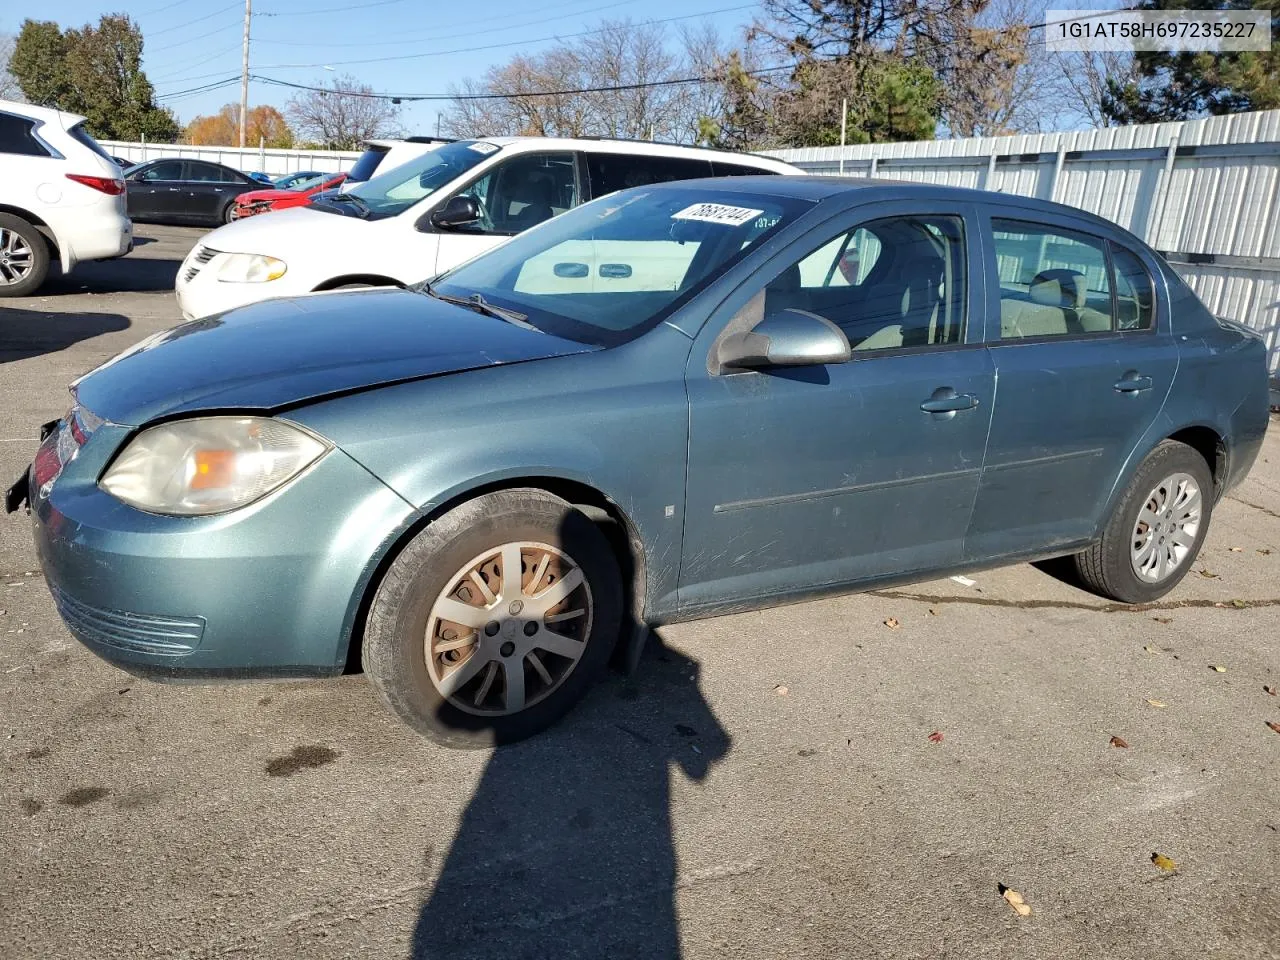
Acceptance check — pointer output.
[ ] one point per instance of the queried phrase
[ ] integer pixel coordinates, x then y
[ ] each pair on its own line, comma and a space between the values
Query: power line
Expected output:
311, 13
177, 75
454, 36
498, 46
613, 88
207, 16
183, 43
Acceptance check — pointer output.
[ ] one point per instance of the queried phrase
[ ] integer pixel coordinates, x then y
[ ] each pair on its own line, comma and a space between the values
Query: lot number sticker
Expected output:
717, 213
486, 148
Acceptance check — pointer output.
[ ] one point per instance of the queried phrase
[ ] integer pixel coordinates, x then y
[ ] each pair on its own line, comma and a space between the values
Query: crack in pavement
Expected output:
1257, 506
1076, 604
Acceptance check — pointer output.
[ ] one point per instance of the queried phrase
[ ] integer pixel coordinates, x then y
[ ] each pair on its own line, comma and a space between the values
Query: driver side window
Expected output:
169, 170
523, 192
891, 283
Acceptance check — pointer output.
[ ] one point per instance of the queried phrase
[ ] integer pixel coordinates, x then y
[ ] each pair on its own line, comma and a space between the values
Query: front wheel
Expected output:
494, 620
1156, 530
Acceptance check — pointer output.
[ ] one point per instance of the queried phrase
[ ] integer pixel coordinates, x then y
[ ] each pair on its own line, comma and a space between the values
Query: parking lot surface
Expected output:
847, 778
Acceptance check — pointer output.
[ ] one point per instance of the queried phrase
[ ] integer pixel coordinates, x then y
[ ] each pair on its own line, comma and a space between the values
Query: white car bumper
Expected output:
98, 238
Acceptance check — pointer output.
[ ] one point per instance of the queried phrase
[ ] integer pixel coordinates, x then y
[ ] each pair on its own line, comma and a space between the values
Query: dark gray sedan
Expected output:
671, 402
174, 190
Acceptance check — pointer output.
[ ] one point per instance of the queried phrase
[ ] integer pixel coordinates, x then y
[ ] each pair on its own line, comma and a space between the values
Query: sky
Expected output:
190, 43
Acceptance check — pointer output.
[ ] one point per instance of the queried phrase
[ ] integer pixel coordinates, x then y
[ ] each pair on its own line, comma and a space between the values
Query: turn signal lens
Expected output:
210, 465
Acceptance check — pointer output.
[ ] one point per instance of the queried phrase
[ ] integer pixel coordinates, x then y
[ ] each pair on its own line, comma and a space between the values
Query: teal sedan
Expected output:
672, 402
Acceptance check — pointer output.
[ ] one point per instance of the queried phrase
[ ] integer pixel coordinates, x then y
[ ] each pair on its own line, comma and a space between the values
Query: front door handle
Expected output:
1132, 382
946, 401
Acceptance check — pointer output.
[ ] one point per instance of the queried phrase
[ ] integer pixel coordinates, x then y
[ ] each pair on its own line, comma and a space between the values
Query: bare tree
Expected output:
342, 114
1081, 82
557, 93
9, 88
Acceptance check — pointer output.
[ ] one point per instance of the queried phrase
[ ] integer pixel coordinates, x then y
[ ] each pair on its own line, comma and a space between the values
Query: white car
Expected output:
423, 217
61, 197
379, 156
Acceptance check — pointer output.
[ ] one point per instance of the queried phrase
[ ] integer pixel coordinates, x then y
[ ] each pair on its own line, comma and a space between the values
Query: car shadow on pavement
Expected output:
32, 333
565, 849
124, 275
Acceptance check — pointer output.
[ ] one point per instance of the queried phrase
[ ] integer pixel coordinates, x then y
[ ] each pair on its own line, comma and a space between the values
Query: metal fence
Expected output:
276, 163
1205, 193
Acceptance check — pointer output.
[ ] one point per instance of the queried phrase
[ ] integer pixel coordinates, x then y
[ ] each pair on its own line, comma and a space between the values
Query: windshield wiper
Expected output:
479, 304
350, 198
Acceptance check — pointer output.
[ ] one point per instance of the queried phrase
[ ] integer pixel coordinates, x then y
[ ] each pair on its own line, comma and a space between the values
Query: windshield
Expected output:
607, 271
401, 187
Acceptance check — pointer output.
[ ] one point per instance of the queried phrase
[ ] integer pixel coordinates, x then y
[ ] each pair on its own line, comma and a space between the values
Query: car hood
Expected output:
282, 352
286, 233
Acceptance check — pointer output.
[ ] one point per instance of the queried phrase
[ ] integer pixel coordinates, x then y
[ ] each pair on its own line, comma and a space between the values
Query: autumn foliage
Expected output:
265, 124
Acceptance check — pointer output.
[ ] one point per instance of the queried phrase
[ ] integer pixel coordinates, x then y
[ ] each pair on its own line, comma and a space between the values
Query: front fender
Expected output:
615, 421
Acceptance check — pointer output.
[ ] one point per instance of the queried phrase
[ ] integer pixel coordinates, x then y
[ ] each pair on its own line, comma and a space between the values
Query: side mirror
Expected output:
788, 338
458, 211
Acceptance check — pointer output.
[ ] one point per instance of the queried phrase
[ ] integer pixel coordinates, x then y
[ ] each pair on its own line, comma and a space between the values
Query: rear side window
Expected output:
1053, 282
368, 163
18, 137
618, 171
1135, 293
79, 134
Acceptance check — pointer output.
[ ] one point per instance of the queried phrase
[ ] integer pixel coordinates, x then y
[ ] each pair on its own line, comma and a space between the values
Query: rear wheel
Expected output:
494, 620
1156, 530
24, 257
229, 214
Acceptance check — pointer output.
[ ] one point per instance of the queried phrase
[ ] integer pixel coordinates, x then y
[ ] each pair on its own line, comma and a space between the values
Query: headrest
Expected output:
1059, 288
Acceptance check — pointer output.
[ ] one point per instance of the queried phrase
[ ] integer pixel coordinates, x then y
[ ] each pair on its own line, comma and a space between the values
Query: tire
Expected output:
24, 257
1109, 567
228, 212
431, 574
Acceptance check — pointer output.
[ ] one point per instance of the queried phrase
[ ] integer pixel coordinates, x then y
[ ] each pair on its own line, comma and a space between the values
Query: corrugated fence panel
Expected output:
274, 162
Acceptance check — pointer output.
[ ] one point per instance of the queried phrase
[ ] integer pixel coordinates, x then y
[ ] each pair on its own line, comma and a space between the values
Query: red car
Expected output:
262, 201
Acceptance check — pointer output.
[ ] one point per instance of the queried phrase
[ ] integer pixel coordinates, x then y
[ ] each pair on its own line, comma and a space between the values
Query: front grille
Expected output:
202, 256
138, 632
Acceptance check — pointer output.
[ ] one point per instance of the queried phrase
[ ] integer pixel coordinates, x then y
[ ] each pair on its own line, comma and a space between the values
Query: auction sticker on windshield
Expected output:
717, 213
481, 147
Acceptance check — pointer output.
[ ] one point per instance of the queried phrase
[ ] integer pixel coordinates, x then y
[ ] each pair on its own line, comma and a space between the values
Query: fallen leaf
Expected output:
1235, 549
1273, 725
1269, 688
935, 737
1163, 862
1265, 552
1150, 649
1163, 619
780, 690
1014, 899
1217, 668
1157, 703
1117, 742
1207, 575
892, 623
1239, 604
932, 612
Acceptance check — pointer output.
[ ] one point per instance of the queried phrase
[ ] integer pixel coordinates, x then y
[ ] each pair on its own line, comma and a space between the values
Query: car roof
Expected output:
60, 118
652, 148
865, 189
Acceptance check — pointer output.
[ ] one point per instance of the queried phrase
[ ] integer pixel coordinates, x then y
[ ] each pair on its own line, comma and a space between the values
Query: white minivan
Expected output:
430, 214
61, 197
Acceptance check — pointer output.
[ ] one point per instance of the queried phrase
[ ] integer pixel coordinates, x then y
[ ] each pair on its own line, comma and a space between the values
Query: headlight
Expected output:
250, 268
210, 465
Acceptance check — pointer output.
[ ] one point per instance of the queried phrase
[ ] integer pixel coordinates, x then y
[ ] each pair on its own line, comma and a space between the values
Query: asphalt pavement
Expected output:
854, 777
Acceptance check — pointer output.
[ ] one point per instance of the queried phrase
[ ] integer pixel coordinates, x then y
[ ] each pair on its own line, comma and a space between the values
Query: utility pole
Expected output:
244, 74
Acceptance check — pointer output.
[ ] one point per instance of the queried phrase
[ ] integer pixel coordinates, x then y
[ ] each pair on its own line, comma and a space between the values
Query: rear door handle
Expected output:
945, 400
1131, 382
